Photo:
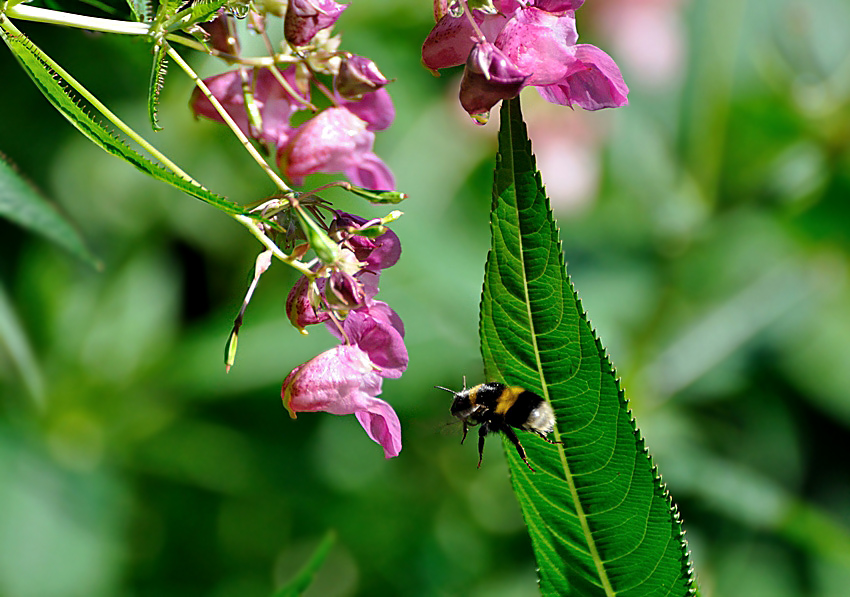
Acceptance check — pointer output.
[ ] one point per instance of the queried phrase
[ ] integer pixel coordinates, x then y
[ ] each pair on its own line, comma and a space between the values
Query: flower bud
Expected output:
358, 75
488, 78
304, 18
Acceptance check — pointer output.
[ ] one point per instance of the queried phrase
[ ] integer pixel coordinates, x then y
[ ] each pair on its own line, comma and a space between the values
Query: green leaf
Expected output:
21, 203
302, 580
158, 70
53, 82
600, 520
199, 12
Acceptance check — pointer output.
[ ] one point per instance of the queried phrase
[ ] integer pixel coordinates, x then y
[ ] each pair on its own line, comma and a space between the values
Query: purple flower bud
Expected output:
222, 36
343, 381
377, 330
358, 75
488, 78
343, 292
305, 18
301, 304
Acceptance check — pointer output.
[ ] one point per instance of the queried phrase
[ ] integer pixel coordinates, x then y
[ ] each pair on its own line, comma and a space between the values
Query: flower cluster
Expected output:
347, 379
518, 43
263, 101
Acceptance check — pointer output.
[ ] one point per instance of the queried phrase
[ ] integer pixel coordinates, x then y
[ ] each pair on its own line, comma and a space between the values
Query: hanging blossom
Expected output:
337, 139
518, 44
347, 379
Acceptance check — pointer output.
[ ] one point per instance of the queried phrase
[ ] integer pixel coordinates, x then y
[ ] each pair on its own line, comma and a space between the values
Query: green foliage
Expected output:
53, 83
24, 205
301, 582
600, 519
158, 70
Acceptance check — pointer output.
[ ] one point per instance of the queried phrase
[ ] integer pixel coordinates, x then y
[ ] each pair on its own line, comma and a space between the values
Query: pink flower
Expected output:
358, 75
305, 18
377, 253
537, 40
343, 381
379, 332
275, 104
335, 141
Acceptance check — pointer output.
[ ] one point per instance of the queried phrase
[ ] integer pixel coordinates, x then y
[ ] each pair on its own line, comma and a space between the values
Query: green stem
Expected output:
252, 226
252, 151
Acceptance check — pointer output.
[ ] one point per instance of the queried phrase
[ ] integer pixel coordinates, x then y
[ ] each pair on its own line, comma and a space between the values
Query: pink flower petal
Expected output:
332, 141
382, 425
539, 43
594, 82
452, 38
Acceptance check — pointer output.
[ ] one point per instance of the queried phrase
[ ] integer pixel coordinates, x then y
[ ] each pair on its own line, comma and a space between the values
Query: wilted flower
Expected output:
343, 381
536, 39
376, 253
305, 18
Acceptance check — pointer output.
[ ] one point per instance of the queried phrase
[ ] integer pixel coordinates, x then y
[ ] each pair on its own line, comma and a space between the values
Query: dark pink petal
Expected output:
305, 18
375, 109
332, 141
539, 43
557, 5
344, 292
342, 381
488, 78
594, 82
452, 38
377, 253
299, 309
377, 330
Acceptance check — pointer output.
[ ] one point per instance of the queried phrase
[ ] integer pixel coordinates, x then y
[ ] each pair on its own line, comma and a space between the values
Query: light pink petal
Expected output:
382, 425
539, 43
594, 82
377, 330
371, 173
332, 141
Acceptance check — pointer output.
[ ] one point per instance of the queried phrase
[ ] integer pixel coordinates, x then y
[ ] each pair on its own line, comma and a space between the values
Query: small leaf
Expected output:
304, 578
379, 197
21, 203
158, 70
600, 520
198, 12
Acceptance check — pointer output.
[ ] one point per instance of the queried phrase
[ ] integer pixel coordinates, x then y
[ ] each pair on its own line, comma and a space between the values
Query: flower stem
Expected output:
249, 147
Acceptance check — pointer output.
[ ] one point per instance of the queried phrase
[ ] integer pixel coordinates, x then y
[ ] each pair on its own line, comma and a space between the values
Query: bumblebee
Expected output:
500, 408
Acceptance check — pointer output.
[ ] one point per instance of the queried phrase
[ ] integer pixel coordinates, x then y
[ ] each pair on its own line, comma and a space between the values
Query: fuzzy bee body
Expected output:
498, 408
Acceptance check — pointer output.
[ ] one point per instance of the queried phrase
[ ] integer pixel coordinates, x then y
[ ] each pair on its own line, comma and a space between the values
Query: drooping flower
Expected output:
536, 39
343, 381
336, 140
276, 105
305, 18
376, 253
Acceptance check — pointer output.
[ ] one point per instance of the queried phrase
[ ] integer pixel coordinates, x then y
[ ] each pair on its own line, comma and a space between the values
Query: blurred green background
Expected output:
707, 230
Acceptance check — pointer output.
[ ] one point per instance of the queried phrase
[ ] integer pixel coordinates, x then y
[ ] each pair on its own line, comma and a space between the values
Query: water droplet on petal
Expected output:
456, 8
481, 119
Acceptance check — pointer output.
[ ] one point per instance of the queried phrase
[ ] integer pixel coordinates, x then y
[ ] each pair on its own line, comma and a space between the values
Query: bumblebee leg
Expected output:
482, 433
544, 438
465, 429
509, 433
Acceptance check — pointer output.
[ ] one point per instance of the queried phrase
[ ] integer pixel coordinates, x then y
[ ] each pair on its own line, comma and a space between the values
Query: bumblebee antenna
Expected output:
464, 382
446, 389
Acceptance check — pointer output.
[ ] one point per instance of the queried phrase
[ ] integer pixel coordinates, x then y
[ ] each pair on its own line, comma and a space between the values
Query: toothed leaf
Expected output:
600, 520
51, 80
198, 12
158, 70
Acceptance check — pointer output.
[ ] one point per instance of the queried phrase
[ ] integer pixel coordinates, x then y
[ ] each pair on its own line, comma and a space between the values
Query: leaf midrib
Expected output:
582, 517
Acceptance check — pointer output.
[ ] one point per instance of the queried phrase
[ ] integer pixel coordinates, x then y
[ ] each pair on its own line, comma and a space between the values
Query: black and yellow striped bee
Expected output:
501, 409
